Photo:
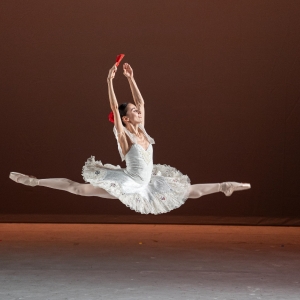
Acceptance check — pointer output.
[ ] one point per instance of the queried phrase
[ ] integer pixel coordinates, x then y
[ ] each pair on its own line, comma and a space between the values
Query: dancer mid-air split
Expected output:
143, 186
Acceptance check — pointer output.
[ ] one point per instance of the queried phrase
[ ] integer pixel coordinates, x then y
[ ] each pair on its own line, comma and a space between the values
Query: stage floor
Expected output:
111, 261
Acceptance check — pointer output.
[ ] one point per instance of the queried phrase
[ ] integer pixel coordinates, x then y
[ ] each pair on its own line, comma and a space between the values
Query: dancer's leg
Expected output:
228, 187
75, 187
198, 190
82, 189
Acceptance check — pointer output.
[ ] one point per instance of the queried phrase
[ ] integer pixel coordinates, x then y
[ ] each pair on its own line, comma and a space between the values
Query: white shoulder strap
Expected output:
150, 139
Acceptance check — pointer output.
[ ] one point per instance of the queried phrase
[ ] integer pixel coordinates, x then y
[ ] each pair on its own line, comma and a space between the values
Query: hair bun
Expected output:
111, 117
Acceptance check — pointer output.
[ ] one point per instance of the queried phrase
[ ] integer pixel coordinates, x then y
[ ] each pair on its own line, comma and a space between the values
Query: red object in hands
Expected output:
119, 58
111, 117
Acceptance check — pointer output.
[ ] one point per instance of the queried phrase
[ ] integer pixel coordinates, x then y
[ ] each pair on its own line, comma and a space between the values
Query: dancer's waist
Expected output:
142, 176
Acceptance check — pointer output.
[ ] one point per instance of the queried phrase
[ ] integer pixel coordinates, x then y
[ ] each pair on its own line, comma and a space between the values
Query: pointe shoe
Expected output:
229, 187
27, 180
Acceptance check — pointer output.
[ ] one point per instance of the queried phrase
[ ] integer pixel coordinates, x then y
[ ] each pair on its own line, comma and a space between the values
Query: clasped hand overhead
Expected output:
127, 71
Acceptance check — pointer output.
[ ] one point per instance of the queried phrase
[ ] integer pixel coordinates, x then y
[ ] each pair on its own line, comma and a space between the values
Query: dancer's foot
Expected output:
229, 187
24, 179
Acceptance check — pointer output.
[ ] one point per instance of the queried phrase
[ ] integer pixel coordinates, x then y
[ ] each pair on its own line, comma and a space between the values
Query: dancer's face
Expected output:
133, 114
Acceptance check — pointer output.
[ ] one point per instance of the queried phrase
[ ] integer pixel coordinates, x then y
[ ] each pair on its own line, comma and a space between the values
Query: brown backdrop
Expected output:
220, 80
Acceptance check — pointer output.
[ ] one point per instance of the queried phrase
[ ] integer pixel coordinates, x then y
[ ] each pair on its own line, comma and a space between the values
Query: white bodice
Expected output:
139, 162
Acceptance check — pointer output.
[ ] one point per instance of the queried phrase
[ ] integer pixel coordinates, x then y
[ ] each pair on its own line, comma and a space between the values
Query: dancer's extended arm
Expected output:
113, 101
136, 94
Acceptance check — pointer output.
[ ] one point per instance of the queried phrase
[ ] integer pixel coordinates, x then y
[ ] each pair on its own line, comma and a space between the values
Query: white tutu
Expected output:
142, 186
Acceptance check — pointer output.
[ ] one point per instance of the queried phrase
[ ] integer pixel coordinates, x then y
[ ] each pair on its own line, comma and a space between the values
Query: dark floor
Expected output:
110, 261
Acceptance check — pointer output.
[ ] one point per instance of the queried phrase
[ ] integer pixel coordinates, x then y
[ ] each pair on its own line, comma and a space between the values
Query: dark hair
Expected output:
123, 111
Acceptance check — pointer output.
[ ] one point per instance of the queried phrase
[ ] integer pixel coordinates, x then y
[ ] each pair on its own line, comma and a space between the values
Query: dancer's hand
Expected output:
128, 72
112, 72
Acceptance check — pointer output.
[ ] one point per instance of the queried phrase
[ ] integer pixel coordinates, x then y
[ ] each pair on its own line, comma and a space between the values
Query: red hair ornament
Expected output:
111, 117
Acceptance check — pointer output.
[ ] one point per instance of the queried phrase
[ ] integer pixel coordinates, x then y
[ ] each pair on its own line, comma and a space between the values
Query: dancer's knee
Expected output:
84, 189
74, 187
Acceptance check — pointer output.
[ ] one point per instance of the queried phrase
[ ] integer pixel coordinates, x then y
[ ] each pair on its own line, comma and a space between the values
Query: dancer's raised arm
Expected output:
113, 100
136, 94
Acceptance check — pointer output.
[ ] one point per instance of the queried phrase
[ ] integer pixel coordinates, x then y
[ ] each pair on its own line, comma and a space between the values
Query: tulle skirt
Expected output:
167, 189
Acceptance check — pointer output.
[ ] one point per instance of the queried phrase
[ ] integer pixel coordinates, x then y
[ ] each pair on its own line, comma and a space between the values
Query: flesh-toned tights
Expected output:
86, 189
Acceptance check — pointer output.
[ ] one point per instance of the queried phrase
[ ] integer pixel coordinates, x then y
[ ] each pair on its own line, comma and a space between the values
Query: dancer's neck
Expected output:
133, 128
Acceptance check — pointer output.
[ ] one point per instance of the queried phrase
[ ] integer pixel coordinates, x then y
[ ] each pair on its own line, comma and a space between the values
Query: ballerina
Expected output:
142, 186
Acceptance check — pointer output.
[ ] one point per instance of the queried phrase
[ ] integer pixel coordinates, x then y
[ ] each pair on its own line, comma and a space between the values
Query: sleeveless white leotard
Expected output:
142, 186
